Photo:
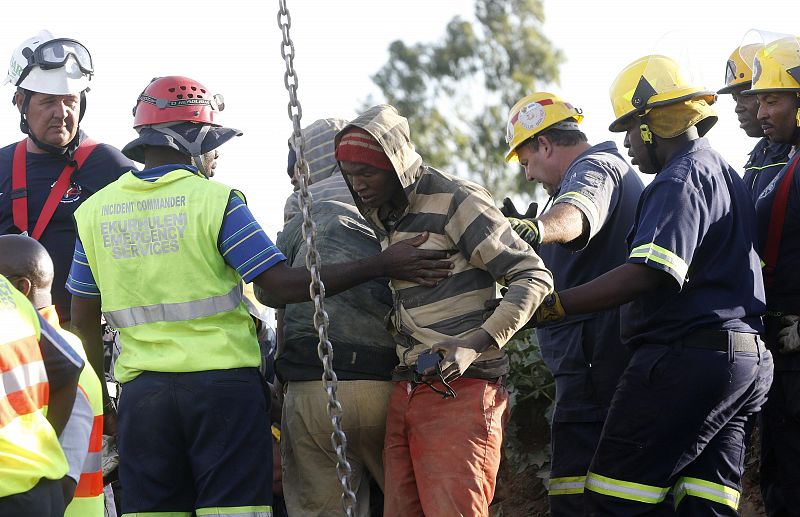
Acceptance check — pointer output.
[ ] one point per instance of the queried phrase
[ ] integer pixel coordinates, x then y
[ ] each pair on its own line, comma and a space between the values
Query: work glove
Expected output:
528, 229
549, 311
526, 225
789, 335
509, 210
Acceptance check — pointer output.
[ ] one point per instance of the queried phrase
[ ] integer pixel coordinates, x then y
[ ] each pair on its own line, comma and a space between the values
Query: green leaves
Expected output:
456, 92
531, 392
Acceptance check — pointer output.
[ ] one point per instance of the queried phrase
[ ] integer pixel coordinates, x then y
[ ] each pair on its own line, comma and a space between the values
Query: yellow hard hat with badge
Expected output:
533, 114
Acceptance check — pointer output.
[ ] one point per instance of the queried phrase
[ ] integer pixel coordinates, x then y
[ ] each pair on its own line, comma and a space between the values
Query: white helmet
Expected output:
45, 64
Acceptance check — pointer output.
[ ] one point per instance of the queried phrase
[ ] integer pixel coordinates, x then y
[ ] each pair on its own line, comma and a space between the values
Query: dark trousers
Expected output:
43, 500
677, 426
197, 440
780, 446
573, 445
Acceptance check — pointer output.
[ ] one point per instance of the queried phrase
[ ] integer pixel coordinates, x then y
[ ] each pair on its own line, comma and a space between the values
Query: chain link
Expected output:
314, 263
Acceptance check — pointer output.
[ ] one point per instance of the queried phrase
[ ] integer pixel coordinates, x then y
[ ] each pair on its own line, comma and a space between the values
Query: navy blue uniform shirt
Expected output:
784, 295
103, 166
696, 222
766, 160
584, 352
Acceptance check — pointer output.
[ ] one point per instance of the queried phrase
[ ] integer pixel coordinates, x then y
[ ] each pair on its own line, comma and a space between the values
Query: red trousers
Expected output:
441, 455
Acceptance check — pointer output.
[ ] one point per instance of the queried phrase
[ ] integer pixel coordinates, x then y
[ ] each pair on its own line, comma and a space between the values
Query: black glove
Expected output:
509, 210
526, 224
528, 229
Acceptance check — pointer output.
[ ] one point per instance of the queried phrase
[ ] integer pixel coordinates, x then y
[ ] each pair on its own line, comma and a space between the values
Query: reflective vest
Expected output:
88, 500
152, 249
29, 448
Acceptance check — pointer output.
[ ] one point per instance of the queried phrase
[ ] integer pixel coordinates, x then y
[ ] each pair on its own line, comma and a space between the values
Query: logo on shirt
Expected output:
772, 184
72, 194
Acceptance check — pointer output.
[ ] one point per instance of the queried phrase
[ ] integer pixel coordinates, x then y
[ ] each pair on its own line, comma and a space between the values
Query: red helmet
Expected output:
176, 99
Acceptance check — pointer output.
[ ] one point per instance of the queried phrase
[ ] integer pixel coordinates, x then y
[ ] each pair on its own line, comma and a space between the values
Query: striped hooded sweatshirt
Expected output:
463, 219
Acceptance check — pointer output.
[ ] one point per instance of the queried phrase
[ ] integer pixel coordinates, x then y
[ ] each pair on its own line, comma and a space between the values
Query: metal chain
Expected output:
314, 263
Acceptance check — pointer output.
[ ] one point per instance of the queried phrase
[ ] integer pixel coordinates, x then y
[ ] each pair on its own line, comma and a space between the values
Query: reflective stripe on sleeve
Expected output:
662, 256
625, 489
706, 490
584, 202
181, 311
566, 485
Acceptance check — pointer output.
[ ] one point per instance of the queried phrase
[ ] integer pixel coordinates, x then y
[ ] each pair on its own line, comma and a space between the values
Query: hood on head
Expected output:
391, 131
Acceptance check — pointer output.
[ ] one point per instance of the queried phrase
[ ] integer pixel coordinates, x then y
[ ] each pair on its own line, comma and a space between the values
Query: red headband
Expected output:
360, 147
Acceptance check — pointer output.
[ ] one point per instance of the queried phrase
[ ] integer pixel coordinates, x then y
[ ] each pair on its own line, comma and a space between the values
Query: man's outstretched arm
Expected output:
403, 260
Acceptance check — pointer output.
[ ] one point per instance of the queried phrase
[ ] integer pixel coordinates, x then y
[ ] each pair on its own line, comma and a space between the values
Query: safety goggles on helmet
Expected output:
55, 53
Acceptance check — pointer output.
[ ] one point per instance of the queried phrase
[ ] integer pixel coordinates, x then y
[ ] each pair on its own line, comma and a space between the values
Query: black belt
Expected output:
719, 341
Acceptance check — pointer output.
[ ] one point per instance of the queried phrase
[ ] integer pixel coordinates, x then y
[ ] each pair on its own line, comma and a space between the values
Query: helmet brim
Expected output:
756, 91
731, 87
215, 137
620, 124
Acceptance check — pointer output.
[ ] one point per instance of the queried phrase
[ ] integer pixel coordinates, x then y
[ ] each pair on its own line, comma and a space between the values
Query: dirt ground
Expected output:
524, 494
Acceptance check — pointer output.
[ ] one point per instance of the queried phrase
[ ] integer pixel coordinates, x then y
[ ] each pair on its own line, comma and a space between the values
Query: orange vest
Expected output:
88, 500
29, 448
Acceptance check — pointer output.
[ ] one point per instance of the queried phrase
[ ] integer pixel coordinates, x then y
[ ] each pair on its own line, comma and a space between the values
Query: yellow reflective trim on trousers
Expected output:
158, 514
566, 485
584, 201
235, 511
625, 489
706, 490
662, 256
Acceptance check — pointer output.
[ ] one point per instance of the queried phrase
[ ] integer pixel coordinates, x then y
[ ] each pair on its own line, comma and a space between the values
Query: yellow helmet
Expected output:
739, 69
533, 114
647, 83
776, 67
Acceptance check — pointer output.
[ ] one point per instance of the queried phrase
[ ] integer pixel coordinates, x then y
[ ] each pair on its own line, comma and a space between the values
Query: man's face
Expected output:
537, 166
747, 112
637, 149
374, 187
777, 113
53, 119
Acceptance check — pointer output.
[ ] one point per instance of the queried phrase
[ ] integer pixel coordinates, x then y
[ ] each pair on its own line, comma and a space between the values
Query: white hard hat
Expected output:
46, 64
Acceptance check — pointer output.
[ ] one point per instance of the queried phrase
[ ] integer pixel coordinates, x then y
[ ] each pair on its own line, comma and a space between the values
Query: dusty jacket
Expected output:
327, 183
462, 218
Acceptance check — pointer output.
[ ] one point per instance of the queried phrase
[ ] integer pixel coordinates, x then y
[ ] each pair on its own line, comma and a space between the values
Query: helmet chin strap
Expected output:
647, 137
197, 161
195, 149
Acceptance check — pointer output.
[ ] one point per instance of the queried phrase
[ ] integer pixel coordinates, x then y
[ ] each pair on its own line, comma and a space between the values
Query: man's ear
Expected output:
545, 144
23, 285
18, 99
